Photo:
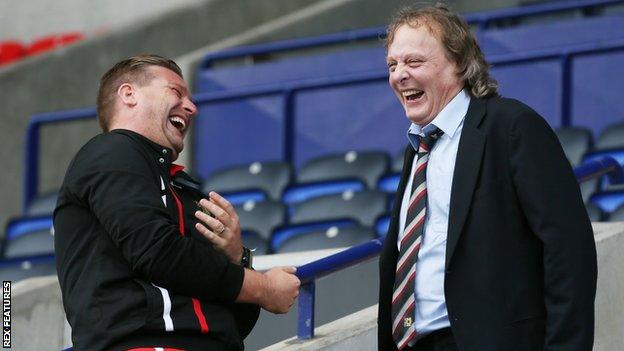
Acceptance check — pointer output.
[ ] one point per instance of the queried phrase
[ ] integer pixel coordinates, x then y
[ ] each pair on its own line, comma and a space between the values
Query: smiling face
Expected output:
164, 109
421, 76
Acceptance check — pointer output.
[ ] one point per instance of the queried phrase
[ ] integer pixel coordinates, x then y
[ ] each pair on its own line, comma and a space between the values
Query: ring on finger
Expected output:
221, 229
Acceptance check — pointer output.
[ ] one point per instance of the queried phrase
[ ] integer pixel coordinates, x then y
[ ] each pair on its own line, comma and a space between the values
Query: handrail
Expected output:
288, 90
481, 19
308, 273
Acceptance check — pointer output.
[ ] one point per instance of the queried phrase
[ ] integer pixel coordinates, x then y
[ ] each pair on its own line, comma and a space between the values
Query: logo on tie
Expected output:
407, 322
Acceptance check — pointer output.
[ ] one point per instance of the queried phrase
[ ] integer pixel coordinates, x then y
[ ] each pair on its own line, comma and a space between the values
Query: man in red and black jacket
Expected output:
141, 263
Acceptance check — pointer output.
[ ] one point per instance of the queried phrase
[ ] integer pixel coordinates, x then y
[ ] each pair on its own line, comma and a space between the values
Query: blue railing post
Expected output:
289, 126
305, 323
566, 93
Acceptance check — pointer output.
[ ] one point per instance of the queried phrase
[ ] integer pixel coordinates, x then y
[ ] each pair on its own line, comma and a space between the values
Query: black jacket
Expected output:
520, 270
132, 273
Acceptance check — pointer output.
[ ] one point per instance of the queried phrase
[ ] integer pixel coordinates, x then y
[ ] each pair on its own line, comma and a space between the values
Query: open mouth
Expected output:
178, 122
412, 95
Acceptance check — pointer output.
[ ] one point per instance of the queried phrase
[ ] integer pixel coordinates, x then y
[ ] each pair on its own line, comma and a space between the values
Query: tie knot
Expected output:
430, 138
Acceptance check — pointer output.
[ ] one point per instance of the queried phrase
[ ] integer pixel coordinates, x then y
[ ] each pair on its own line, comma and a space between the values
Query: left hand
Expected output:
223, 231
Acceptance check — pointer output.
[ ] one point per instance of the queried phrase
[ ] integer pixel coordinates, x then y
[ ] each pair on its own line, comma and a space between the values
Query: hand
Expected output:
223, 231
281, 289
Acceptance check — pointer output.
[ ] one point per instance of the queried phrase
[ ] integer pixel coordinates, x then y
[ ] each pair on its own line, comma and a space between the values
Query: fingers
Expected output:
210, 235
215, 225
224, 204
289, 269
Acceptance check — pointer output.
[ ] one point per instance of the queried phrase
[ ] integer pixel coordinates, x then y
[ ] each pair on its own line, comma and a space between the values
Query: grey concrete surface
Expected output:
38, 318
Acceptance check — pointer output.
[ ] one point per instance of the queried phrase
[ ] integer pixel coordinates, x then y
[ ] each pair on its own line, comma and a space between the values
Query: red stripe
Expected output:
173, 169
409, 282
408, 234
407, 341
196, 303
408, 311
402, 266
418, 197
180, 211
424, 146
420, 168
200, 316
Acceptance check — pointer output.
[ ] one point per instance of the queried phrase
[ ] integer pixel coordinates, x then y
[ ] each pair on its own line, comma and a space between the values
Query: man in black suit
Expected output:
489, 245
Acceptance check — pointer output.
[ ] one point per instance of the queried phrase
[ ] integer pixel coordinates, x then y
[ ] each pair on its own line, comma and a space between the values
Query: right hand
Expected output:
281, 289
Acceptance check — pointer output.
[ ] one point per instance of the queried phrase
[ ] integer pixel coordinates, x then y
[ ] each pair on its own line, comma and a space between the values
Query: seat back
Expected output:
576, 141
368, 166
261, 217
333, 237
612, 137
362, 206
270, 177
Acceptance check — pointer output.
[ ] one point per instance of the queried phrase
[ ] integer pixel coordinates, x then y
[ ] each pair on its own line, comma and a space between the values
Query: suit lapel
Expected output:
467, 165
390, 247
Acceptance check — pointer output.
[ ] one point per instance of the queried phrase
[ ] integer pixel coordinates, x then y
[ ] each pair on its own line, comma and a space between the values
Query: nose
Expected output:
190, 107
400, 74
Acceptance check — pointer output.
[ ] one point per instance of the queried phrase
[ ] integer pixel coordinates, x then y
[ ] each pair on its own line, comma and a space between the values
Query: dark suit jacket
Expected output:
520, 252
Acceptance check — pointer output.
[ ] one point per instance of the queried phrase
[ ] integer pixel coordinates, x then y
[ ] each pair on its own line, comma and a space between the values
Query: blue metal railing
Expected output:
481, 19
308, 273
289, 90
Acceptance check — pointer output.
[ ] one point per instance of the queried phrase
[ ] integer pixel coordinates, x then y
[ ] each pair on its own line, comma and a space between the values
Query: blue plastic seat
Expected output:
282, 234
327, 238
19, 268
301, 192
389, 183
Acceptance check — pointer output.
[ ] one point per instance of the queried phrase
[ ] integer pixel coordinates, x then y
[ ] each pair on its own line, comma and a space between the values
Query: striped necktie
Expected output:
403, 300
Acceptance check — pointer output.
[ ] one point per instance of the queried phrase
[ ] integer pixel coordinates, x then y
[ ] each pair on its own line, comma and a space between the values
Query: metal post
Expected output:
289, 126
566, 90
305, 324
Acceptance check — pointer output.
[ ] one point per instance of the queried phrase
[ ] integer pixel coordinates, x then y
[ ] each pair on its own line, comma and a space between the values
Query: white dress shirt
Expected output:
430, 312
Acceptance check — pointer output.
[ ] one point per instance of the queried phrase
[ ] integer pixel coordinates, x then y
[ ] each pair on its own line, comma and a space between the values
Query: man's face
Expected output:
422, 78
166, 109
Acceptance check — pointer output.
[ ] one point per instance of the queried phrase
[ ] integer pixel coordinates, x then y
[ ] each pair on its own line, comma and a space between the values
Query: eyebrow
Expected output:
181, 87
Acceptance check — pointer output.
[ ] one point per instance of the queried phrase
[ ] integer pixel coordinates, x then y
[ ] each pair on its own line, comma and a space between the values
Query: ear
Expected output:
127, 94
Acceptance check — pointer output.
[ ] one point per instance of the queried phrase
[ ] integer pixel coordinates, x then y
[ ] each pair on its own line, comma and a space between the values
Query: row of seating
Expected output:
13, 50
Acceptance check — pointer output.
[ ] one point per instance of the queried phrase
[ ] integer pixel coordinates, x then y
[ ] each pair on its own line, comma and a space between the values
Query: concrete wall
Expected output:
27, 20
38, 318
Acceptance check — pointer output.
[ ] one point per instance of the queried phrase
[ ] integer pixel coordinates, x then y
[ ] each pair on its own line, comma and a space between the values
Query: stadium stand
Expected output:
325, 122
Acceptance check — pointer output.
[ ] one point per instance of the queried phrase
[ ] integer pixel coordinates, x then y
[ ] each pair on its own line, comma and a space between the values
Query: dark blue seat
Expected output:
261, 217
389, 183
255, 242
362, 206
282, 234
26, 236
302, 192
333, 237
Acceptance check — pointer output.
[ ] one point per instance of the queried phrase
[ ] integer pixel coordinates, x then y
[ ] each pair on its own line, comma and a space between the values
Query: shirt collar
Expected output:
448, 120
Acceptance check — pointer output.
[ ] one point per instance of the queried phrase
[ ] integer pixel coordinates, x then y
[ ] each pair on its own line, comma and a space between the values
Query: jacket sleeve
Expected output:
550, 198
118, 185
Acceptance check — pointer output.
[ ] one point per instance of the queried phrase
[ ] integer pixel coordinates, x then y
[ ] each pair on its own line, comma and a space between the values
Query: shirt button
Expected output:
161, 160
164, 151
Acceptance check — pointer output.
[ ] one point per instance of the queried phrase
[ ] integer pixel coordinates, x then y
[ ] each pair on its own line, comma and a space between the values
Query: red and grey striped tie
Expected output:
403, 300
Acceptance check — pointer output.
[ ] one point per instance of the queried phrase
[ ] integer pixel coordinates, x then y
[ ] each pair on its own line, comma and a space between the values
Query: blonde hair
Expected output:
458, 41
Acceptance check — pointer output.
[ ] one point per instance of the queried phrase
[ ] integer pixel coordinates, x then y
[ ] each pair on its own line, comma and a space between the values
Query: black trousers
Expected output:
439, 340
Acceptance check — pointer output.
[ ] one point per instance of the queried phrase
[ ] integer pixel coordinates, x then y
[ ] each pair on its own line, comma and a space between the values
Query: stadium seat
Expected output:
280, 235
20, 268
261, 217
42, 204
25, 236
11, 51
255, 242
301, 192
576, 141
333, 237
617, 215
389, 183
382, 224
588, 188
594, 212
609, 200
397, 163
368, 166
609, 143
362, 206
270, 177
